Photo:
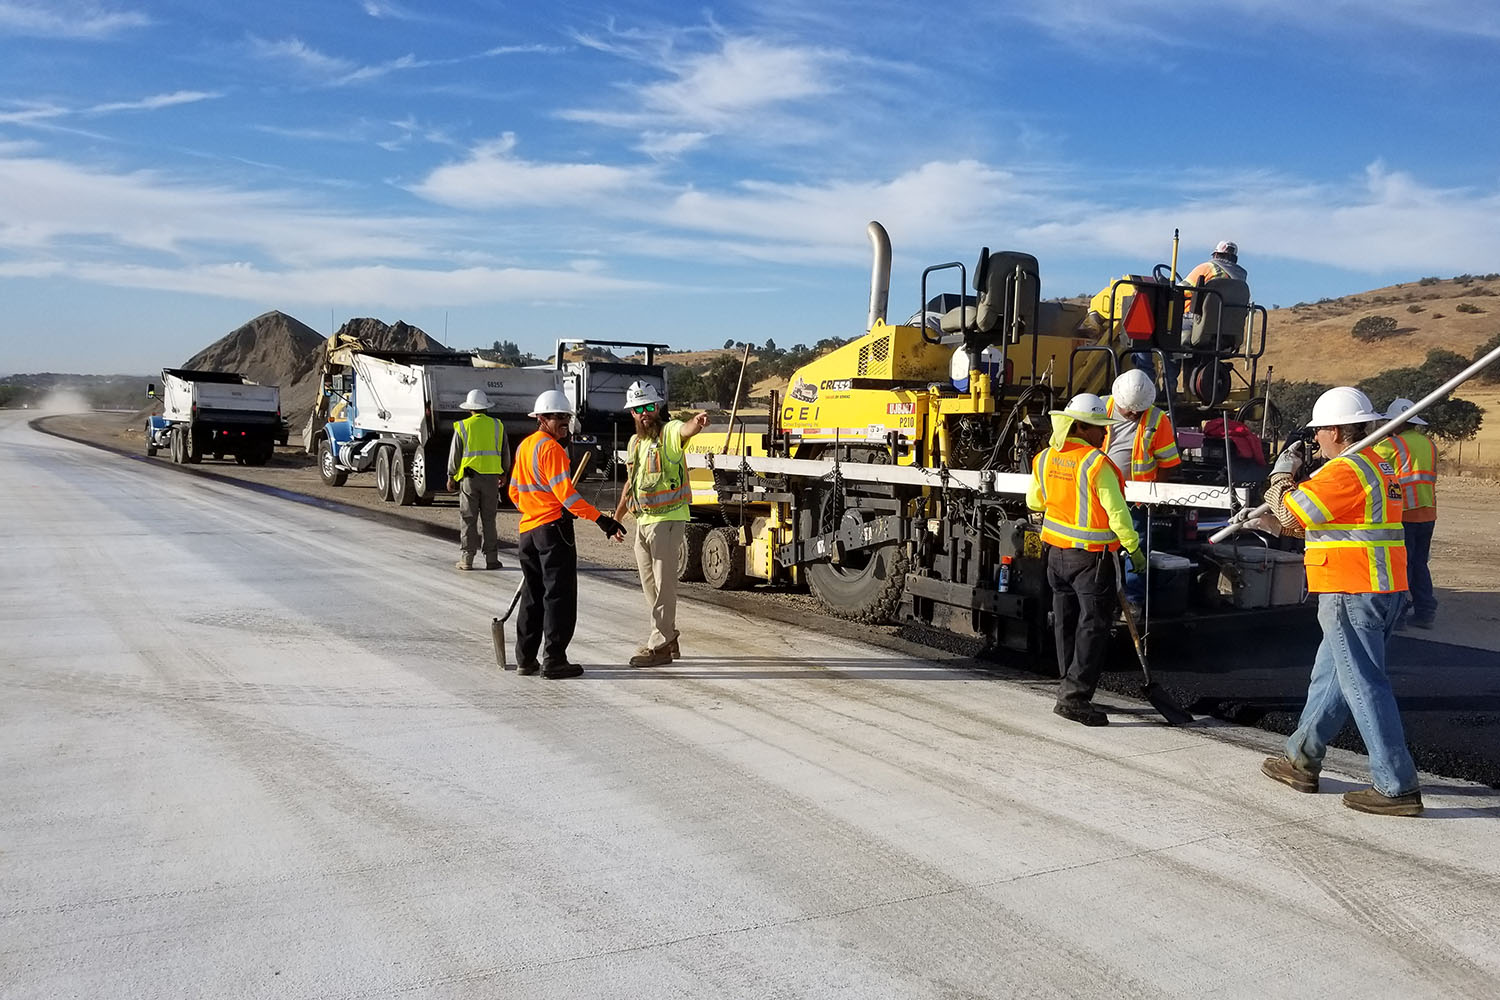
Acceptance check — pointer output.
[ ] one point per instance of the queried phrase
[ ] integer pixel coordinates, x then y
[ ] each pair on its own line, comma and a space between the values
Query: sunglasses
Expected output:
644, 408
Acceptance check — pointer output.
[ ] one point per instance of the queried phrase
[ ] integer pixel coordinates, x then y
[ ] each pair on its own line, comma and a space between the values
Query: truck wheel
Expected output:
724, 560
150, 448
690, 556
179, 448
867, 585
383, 473
402, 490
328, 466
192, 448
421, 482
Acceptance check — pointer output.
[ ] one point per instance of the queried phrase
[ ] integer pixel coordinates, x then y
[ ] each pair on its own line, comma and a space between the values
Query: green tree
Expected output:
729, 344
1455, 420
1492, 373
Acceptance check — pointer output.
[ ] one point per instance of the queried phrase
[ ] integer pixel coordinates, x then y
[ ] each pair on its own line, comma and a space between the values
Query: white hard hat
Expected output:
1087, 408
476, 400
1133, 391
641, 393
1229, 247
1400, 406
1342, 405
552, 401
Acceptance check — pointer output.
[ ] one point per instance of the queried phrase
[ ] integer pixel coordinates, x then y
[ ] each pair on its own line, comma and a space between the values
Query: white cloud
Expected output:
532, 49
666, 145
81, 21
37, 113
492, 177
301, 56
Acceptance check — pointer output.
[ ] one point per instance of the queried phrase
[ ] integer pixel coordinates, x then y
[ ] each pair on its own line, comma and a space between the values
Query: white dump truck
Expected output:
222, 414
392, 413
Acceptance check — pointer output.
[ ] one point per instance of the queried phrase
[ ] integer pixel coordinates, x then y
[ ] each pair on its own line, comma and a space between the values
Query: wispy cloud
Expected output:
297, 54
494, 177
81, 21
36, 113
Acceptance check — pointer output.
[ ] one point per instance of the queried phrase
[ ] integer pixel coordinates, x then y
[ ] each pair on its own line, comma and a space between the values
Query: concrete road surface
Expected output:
250, 748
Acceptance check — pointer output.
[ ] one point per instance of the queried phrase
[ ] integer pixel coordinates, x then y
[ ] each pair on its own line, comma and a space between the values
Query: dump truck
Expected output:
392, 413
222, 414
892, 479
597, 389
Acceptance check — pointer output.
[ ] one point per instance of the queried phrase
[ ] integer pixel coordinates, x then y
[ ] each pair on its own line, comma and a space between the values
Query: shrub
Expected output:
1414, 309
1492, 373
1467, 307
1429, 281
1437, 315
1374, 328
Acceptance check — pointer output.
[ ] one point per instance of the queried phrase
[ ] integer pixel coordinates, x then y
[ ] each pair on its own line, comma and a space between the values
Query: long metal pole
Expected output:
735, 409
1431, 399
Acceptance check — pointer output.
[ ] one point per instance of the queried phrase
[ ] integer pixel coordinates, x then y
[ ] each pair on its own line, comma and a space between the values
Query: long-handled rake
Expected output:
1168, 709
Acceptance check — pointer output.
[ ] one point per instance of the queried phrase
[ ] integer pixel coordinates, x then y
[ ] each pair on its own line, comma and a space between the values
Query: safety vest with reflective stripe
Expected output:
1415, 458
1352, 512
1155, 445
482, 437
541, 485
1068, 479
659, 485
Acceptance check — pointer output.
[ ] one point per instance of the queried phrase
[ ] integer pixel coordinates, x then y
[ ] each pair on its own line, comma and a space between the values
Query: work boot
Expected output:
673, 647
560, 671
1425, 623
492, 563
528, 667
464, 563
1368, 800
648, 657
1083, 713
1289, 774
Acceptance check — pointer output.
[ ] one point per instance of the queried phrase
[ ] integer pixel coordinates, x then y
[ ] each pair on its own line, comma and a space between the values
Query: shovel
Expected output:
1168, 709
497, 628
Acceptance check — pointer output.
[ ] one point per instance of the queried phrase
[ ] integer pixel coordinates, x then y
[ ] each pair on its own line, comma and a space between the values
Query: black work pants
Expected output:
1083, 610
549, 593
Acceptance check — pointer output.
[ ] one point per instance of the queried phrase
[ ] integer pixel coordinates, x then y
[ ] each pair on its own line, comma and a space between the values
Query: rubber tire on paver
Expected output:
402, 491
383, 472
690, 557
868, 586
421, 461
724, 560
328, 466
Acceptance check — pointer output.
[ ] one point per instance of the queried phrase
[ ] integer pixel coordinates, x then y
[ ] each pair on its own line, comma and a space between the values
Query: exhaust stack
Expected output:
880, 273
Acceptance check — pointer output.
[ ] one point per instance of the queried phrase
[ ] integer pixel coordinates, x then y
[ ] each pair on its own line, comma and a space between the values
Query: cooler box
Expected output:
1171, 584
1259, 578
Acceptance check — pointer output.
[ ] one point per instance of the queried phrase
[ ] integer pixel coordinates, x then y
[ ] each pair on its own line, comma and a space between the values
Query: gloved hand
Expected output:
1137, 560
610, 527
1292, 460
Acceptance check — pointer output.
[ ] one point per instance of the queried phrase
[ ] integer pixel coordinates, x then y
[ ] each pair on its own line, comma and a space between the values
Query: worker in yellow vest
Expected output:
1414, 455
476, 463
1084, 524
1350, 511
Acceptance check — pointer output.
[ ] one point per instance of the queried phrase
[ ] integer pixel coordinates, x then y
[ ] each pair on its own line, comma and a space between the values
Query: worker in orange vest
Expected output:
541, 487
1414, 455
1143, 445
1084, 523
1356, 564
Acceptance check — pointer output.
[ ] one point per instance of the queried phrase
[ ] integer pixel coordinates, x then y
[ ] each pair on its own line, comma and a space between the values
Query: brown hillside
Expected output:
1313, 341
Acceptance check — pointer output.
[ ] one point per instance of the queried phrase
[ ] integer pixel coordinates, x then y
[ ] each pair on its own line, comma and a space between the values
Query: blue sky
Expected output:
691, 175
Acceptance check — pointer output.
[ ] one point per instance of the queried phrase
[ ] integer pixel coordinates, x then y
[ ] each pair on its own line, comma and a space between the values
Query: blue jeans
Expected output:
1418, 549
1348, 677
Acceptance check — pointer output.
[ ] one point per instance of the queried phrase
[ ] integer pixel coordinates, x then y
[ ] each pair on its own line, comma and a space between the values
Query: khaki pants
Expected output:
478, 500
656, 552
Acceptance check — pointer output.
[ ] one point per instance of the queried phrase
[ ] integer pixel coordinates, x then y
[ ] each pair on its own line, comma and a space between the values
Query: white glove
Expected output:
1291, 461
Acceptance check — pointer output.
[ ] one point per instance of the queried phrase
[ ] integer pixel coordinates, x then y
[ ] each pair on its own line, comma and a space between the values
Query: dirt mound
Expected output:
273, 349
399, 336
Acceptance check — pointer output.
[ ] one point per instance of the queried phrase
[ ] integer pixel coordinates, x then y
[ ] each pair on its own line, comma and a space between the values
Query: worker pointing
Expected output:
1414, 455
541, 487
1356, 564
476, 464
1085, 522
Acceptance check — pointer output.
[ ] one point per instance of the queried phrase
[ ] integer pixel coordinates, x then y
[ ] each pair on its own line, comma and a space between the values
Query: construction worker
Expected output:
1414, 455
657, 492
1085, 522
1143, 445
1224, 262
1356, 564
541, 487
476, 464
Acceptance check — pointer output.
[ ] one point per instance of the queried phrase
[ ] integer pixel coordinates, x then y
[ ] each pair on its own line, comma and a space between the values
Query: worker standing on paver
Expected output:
1356, 564
657, 493
1085, 522
1143, 445
476, 464
1414, 455
541, 487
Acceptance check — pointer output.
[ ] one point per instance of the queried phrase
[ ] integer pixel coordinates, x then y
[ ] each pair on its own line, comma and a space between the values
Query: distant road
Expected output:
251, 748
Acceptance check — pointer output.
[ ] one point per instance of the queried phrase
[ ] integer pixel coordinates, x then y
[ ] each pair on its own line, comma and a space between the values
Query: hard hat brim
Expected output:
1097, 419
1418, 421
1367, 417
